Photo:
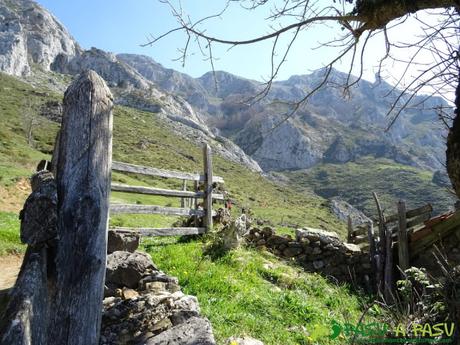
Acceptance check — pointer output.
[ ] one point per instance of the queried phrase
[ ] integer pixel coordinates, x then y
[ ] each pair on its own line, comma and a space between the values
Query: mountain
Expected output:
219, 107
329, 128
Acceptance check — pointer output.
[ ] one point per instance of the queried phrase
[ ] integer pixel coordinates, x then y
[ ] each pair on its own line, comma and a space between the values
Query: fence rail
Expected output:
189, 198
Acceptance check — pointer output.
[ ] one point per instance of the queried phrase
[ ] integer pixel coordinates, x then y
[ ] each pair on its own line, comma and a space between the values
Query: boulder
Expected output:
127, 269
117, 241
194, 331
232, 234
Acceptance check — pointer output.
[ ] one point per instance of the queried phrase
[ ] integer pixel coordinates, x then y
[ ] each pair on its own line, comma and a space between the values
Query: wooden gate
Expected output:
207, 179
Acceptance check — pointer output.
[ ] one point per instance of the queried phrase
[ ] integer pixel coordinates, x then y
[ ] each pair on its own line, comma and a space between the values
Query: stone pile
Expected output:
142, 305
317, 251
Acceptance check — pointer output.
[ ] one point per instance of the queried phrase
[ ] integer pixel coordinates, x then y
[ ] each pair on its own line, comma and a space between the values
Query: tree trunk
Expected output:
83, 184
453, 146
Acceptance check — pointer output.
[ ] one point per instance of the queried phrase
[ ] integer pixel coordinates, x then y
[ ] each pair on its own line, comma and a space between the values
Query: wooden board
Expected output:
150, 232
419, 211
159, 191
153, 209
138, 169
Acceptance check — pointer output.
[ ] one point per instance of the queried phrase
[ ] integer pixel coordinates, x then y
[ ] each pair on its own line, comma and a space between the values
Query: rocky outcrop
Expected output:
343, 209
31, 36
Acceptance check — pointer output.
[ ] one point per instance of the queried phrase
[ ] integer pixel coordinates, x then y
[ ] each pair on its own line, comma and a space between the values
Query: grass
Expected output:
390, 180
9, 234
253, 293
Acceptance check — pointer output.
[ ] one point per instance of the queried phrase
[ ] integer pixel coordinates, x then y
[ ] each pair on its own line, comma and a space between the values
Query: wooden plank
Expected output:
392, 218
403, 245
159, 191
150, 232
438, 231
372, 247
418, 220
207, 159
139, 169
419, 211
154, 209
388, 272
380, 246
83, 185
24, 321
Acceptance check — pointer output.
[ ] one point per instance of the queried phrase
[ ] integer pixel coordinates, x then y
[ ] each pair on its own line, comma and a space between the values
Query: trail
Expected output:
9, 269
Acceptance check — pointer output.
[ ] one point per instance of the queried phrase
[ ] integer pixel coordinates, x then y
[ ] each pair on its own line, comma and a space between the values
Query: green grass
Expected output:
9, 234
355, 182
250, 292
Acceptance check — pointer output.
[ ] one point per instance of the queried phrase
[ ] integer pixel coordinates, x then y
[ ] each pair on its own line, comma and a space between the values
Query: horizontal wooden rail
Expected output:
162, 231
138, 169
391, 219
153, 209
419, 211
418, 220
164, 192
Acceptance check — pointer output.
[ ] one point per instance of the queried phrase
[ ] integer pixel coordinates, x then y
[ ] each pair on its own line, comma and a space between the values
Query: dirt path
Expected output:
9, 269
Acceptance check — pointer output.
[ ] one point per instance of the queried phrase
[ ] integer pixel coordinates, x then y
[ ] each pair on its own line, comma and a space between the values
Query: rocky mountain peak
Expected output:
30, 36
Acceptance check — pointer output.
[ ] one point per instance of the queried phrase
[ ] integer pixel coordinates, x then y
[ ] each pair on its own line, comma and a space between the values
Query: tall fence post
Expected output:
350, 229
403, 245
381, 248
207, 158
83, 184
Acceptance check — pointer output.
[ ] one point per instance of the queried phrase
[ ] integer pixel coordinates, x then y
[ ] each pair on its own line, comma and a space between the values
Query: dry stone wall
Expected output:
317, 251
143, 305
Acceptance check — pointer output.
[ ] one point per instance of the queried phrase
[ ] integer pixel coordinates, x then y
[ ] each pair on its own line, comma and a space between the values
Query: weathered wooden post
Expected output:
372, 250
388, 278
381, 246
183, 200
350, 229
403, 245
83, 184
207, 158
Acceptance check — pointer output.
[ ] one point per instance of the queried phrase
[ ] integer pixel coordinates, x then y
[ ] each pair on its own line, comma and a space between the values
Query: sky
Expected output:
122, 26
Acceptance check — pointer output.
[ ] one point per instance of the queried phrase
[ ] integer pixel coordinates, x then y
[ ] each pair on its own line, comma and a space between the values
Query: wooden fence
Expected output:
189, 199
401, 237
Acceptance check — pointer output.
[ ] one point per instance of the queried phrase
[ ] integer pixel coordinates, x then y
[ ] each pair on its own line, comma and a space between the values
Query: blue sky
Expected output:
121, 26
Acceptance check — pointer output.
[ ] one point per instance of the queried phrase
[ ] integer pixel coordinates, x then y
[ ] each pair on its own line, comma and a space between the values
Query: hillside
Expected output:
355, 182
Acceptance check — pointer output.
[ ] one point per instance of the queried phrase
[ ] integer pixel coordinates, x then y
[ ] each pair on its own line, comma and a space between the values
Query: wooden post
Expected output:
388, 280
381, 246
196, 185
403, 245
83, 184
183, 201
350, 229
207, 158
372, 250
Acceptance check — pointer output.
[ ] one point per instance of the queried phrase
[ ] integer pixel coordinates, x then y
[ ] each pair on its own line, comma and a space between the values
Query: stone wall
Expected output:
142, 305
317, 251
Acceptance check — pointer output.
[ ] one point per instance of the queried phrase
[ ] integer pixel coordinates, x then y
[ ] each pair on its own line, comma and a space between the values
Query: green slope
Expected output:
355, 182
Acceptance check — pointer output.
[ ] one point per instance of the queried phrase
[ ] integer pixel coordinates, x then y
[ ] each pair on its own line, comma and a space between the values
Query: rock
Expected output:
31, 36
127, 269
117, 241
316, 251
129, 293
232, 234
194, 331
243, 341
343, 209
318, 264
353, 248
293, 249
277, 240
